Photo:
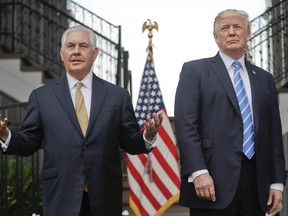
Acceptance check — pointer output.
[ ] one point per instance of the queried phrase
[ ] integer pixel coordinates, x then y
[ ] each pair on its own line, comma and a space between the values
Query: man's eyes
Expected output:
80, 45
226, 28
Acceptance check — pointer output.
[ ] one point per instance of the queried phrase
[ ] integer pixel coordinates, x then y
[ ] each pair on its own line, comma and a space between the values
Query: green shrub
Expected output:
23, 189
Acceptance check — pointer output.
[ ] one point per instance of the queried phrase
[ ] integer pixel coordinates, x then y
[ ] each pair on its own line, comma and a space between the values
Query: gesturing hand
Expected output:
3, 129
152, 125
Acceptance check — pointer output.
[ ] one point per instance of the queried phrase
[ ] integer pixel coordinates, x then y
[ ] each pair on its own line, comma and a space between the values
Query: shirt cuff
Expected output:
4, 145
150, 144
193, 175
277, 186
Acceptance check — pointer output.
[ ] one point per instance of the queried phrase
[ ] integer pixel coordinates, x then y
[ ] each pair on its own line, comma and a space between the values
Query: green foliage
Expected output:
23, 189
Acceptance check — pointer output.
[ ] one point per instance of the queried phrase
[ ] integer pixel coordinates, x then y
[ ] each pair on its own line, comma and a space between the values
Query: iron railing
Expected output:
268, 46
34, 28
20, 191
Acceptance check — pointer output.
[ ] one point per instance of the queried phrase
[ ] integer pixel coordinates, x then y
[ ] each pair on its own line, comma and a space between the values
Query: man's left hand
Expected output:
274, 199
152, 125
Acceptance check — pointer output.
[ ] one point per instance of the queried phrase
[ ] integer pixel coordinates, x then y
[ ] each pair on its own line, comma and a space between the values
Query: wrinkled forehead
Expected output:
77, 36
231, 20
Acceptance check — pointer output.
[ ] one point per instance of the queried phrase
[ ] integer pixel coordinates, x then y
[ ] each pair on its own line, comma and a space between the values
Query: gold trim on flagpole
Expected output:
150, 26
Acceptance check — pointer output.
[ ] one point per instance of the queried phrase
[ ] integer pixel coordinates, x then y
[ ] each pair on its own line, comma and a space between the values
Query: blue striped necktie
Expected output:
248, 128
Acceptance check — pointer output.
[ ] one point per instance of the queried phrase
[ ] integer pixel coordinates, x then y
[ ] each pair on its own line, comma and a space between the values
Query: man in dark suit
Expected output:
232, 160
82, 162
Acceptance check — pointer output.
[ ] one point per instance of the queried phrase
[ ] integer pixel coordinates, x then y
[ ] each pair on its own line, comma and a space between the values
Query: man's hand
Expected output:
152, 125
4, 131
204, 187
274, 199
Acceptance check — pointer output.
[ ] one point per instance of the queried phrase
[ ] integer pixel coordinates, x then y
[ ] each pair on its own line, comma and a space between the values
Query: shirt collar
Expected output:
87, 80
228, 60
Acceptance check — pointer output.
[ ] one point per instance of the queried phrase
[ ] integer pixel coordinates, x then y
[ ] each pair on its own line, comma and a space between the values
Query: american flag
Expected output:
154, 179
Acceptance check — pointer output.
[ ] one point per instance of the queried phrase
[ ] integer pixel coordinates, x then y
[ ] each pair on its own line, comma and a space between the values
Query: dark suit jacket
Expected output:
209, 130
69, 157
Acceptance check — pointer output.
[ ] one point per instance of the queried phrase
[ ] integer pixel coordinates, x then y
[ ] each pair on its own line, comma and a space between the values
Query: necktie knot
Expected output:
79, 85
236, 65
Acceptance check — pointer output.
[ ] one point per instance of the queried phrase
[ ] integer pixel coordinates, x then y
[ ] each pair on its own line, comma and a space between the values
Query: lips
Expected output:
233, 41
76, 61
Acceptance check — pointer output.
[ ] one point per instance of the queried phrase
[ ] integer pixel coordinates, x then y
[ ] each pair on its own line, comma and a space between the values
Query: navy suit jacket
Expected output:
71, 159
209, 131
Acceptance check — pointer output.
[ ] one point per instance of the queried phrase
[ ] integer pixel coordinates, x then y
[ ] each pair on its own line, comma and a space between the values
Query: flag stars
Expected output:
150, 97
158, 100
141, 93
144, 108
140, 122
156, 107
142, 115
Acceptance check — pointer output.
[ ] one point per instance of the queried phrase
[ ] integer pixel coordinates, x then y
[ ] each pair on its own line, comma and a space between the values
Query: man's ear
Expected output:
95, 52
61, 55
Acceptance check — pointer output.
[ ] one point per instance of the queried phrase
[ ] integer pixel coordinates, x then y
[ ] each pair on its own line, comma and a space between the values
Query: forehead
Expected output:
77, 37
230, 19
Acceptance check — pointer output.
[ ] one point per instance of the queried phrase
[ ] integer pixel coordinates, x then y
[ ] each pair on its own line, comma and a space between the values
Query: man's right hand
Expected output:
4, 131
204, 187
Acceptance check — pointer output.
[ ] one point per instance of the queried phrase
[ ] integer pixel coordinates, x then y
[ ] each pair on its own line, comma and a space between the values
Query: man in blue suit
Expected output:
229, 167
81, 172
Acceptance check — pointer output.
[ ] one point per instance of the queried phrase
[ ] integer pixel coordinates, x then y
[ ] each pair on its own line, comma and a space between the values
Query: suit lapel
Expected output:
98, 94
63, 95
221, 72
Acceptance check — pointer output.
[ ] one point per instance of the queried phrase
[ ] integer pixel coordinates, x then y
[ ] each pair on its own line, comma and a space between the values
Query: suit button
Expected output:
239, 154
82, 172
241, 129
84, 147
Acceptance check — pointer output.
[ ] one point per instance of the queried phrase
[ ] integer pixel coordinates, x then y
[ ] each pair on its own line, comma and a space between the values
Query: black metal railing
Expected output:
268, 46
20, 191
34, 28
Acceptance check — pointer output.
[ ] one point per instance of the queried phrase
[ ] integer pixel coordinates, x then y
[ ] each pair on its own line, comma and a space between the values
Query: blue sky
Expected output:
185, 33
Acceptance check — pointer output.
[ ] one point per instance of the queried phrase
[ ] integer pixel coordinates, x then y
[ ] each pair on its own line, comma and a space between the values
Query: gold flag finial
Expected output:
148, 25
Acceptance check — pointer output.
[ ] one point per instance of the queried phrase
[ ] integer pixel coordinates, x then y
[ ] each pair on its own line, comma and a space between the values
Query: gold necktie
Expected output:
80, 108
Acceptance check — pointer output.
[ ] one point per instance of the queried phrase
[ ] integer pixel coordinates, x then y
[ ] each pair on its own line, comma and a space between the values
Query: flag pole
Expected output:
149, 26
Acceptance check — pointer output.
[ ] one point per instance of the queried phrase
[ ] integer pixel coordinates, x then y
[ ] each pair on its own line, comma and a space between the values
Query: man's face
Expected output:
77, 54
232, 35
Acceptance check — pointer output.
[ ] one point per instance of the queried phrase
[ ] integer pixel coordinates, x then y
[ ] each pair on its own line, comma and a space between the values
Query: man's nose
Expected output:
76, 50
231, 30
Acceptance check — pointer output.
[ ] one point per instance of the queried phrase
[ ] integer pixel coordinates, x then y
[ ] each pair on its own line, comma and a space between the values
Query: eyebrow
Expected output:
73, 43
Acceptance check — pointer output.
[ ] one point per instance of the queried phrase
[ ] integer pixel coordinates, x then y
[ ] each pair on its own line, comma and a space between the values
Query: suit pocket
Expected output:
49, 174
207, 147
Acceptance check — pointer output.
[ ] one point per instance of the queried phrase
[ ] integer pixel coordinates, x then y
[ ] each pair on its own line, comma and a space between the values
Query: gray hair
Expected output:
92, 35
232, 12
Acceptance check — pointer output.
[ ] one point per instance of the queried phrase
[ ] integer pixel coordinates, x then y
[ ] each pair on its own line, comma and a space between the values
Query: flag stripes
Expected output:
153, 190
